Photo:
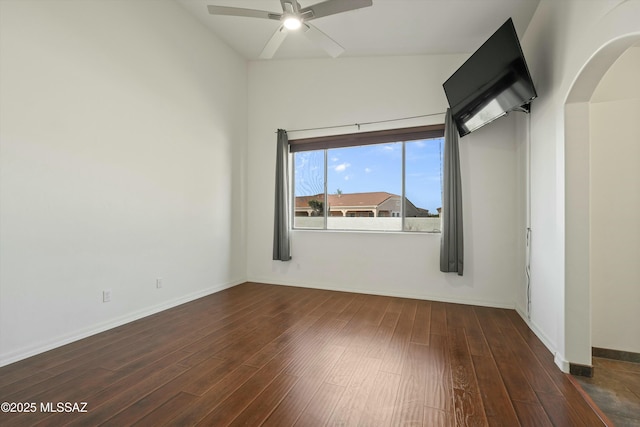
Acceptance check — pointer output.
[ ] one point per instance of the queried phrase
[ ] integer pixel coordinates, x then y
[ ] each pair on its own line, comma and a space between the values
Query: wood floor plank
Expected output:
351, 405
268, 329
20, 371
436, 417
34, 380
438, 381
531, 414
279, 356
130, 353
378, 410
422, 323
310, 344
495, 398
311, 379
132, 394
356, 335
383, 335
560, 412
219, 334
538, 378
321, 406
468, 407
344, 368
167, 410
266, 402
233, 405
292, 405
235, 323
84, 384
351, 309
409, 407
212, 398
42, 389
438, 321
394, 353
478, 345
563, 385
208, 369
395, 305
512, 373
335, 303
373, 309
287, 339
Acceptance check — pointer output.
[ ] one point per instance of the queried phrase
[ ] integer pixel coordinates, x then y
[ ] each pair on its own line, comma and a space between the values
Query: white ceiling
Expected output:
389, 27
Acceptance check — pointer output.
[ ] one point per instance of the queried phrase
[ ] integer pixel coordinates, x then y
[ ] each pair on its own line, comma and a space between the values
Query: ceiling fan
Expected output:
293, 17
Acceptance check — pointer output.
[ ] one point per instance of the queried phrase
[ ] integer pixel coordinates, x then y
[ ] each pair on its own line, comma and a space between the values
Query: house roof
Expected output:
350, 200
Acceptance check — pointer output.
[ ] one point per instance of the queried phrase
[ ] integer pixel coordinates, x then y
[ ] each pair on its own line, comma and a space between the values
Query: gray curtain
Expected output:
451, 244
281, 248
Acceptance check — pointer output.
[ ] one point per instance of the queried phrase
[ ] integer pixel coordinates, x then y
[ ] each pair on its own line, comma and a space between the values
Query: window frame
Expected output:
325, 143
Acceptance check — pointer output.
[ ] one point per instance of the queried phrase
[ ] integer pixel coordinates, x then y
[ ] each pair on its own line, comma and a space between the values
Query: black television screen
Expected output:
492, 82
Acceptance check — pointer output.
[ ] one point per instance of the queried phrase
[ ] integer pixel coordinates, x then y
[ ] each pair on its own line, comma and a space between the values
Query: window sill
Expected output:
400, 232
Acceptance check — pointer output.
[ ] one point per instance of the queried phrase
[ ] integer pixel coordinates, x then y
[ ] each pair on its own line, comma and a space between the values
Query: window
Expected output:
376, 181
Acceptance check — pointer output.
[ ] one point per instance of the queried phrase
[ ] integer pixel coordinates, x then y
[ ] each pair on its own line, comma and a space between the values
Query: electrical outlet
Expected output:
159, 282
106, 295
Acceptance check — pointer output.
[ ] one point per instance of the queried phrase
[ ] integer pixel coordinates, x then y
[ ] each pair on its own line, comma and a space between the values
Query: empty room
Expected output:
338, 212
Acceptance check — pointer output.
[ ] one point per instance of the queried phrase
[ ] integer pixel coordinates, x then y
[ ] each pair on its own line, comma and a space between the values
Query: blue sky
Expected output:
375, 168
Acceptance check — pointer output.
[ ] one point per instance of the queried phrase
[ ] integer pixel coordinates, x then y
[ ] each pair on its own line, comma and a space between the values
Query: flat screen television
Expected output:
492, 82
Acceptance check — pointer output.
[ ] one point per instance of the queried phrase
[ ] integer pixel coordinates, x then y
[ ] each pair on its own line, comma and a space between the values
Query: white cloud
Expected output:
341, 167
368, 170
387, 149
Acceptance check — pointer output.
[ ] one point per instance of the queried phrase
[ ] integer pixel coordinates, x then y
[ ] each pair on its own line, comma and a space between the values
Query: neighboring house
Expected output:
373, 204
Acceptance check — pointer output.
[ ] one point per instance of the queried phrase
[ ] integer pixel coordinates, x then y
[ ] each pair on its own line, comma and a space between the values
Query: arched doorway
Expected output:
583, 193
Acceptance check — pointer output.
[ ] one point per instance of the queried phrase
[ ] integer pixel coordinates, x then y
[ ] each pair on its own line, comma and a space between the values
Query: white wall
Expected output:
615, 203
615, 230
123, 131
560, 41
315, 93
621, 80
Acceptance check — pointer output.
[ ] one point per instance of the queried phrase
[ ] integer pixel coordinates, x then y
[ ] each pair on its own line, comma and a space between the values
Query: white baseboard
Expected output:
11, 357
427, 297
561, 363
558, 359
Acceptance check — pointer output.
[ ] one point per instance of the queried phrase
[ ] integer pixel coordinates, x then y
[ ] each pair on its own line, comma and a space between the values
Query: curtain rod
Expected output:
366, 123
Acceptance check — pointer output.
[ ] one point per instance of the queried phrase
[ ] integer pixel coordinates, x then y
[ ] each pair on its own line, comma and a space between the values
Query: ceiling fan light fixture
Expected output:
292, 22
294, 17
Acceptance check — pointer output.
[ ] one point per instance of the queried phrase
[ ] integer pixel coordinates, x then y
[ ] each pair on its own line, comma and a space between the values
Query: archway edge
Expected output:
597, 65
577, 193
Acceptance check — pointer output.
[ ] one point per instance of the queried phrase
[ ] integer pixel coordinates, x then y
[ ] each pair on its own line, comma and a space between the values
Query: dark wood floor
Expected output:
271, 355
615, 389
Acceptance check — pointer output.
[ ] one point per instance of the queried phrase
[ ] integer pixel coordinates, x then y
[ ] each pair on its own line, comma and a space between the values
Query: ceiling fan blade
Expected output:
237, 11
323, 40
290, 6
274, 43
331, 7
